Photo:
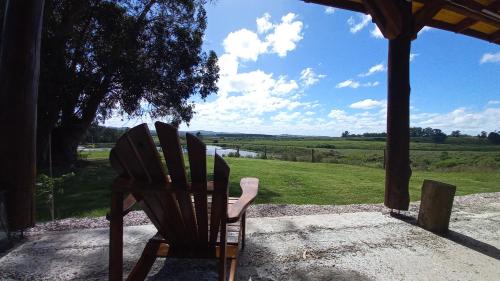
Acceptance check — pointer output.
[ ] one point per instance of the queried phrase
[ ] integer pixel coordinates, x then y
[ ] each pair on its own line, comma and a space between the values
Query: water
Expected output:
225, 151
210, 150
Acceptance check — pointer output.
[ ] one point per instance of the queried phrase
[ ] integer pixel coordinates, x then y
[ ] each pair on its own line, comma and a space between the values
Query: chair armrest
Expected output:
249, 188
128, 204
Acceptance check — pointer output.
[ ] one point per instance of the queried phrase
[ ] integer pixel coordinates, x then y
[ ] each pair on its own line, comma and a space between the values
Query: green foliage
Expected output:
49, 187
100, 57
101, 134
494, 137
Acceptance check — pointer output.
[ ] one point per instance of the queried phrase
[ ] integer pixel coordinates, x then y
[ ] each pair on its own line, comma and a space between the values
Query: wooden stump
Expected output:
435, 206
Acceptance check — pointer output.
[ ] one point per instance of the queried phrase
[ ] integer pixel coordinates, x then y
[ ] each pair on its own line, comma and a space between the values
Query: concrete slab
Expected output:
346, 246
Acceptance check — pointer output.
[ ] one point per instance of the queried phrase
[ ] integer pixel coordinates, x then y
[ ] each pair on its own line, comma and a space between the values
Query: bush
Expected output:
494, 137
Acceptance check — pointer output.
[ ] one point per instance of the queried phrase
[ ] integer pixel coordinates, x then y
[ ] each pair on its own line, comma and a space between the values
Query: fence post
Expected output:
265, 152
312, 155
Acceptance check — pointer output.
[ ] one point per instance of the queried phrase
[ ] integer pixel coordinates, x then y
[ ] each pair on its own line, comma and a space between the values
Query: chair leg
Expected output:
146, 261
243, 229
116, 238
232, 269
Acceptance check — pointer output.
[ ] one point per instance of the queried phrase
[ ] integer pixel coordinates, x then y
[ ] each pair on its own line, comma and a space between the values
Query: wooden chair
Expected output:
194, 219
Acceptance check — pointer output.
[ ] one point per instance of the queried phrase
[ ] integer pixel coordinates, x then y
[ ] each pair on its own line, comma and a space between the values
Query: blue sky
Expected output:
289, 67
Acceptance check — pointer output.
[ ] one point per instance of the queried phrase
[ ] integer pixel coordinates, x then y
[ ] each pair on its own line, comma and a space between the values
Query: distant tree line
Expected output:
101, 134
436, 135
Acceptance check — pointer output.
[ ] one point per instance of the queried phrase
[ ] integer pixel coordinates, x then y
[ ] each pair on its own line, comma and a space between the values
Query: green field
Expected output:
87, 193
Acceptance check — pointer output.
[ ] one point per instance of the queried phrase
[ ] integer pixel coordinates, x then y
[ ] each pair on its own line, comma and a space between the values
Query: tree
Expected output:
494, 137
416, 132
129, 57
483, 135
455, 133
345, 134
438, 136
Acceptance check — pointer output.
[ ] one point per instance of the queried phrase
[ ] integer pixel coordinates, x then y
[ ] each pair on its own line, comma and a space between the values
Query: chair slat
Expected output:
140, 158
219, 200
172, 150
198, 166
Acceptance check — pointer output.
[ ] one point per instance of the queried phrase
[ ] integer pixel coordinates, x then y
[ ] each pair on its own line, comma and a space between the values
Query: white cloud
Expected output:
490, 57
244, 44
285, 117
460, 119
376, 33
374, 69
263, 23
329, 10
348, 83
337, 114
413, 56
369, 104
356, 26
309, 77
285, 35
492, 102
310, 113
370, 84
424, 29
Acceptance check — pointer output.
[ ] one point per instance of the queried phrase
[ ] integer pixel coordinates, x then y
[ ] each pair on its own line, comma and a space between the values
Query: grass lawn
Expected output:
87, 193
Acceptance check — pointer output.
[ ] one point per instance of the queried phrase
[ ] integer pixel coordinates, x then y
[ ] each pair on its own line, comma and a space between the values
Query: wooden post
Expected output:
312, 155
398, 171
116, 237
435, 206
19, 71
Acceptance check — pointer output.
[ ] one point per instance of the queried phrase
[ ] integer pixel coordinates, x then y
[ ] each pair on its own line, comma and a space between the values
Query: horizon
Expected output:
278, 78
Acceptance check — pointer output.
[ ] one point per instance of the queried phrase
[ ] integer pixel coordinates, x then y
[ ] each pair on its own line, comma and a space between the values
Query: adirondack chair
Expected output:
194, 219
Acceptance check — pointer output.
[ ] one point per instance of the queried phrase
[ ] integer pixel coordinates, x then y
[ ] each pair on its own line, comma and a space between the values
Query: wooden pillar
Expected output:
398, 172
19, 70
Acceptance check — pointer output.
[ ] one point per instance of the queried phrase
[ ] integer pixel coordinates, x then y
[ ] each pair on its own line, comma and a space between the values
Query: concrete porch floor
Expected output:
345, 246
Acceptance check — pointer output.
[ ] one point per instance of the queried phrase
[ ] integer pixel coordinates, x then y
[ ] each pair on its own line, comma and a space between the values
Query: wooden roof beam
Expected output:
467, 22
386, 16
469, 8
468, 32
425, 14
495, 37
342, 4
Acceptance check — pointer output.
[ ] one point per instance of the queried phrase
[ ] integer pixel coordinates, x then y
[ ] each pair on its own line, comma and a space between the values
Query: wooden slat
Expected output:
145, 149
198, 165
219, 197
426, 13
172, 150
137, 153
343, 4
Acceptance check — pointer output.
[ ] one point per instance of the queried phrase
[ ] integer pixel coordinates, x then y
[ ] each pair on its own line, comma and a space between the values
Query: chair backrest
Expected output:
184, 213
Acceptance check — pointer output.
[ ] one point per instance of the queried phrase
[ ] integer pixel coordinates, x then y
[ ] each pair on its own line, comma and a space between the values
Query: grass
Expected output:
87, 193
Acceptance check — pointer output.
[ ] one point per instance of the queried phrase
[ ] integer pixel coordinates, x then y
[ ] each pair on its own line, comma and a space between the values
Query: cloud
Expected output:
370, 84
348, 83
490, 57
369, 104
308, 77
492, 102
374, 69
356, 26
285, 117
244, 44
263, 23
413, 56
329, 10
376, 33
285, 35
424, 29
